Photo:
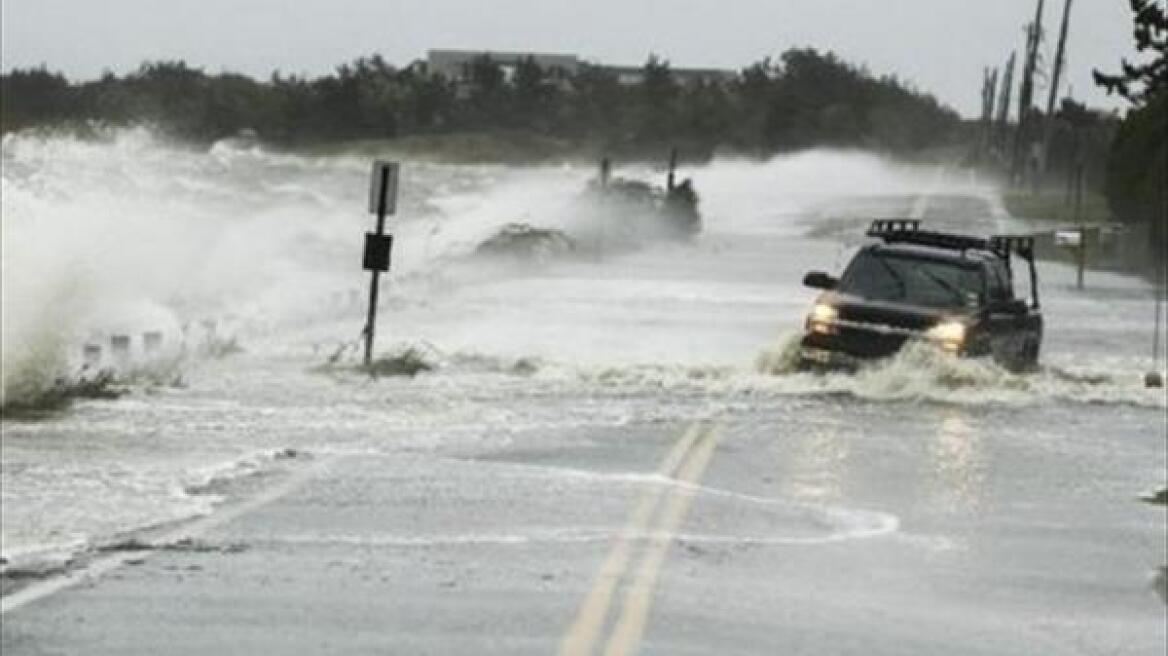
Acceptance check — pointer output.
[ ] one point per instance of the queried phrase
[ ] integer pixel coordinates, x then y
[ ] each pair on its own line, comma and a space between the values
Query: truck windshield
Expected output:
916, 281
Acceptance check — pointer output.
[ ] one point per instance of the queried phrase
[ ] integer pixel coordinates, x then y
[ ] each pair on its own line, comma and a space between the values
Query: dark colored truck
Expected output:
955, 291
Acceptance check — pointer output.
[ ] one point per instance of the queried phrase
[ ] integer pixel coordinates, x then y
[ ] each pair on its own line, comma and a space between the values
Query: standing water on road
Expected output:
259, 251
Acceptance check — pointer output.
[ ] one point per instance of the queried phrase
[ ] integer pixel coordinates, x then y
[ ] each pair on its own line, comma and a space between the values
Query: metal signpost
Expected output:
382, 201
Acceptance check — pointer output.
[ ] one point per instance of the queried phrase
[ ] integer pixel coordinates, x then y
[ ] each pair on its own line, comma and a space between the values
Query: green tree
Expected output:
34, 96
428, 101
530, 89
1140, 82
659, 91
595, 111
806, 99
1137, 165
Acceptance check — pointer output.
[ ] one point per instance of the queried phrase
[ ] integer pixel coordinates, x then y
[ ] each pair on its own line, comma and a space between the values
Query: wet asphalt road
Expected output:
817, 525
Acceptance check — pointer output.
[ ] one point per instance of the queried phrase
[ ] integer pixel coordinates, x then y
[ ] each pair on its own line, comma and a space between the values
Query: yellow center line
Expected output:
582, 634
626, 636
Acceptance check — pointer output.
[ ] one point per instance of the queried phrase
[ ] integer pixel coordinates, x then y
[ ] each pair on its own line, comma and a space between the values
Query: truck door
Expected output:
1007, 320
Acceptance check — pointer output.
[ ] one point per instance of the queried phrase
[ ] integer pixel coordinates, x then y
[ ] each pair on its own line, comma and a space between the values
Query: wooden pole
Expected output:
1026, 95
1154, 378
1059, 62
1082, 225
1004, 105
1158, 291
1059, 59
672, 169
989, 89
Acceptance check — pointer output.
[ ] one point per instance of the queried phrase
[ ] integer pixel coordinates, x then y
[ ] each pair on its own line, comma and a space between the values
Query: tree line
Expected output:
803, 98
1137, 164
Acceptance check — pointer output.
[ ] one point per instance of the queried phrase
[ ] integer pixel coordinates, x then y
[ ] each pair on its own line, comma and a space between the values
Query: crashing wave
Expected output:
922, 372
523, 241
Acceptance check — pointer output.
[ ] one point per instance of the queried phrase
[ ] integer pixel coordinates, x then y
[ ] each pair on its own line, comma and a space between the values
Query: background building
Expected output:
455, 65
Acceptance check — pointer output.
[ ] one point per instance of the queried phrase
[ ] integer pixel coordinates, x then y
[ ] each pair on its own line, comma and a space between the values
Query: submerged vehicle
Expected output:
528, 242
645, 210
955, 291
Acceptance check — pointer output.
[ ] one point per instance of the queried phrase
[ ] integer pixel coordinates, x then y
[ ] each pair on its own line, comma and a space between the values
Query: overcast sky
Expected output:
939, 45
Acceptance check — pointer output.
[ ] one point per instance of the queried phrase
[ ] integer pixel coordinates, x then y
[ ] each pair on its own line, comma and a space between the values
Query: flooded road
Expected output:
610, 452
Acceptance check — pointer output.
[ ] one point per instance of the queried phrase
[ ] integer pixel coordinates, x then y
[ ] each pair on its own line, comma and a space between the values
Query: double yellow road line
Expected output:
685, 463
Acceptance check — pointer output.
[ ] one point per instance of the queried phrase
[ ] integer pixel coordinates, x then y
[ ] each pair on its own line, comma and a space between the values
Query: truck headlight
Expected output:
949, 334
822, 319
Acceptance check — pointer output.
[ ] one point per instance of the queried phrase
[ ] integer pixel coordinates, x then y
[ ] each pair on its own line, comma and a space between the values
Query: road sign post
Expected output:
378, 245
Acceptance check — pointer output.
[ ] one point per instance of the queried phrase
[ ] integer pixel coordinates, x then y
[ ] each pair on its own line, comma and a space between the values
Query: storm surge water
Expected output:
110, 239
128, 233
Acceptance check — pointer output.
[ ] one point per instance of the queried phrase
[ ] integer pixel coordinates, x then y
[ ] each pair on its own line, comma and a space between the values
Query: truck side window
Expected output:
1000, 287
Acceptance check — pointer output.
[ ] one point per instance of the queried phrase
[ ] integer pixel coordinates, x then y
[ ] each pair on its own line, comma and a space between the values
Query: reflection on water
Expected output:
821, 465
949, 463
958, 464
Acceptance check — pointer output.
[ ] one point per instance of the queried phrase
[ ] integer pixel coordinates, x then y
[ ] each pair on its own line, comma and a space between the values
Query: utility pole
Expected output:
989, 90
1080, 219
1033, 40
1059, 61
1154, 378
1026, 94
670, 181
1004, 103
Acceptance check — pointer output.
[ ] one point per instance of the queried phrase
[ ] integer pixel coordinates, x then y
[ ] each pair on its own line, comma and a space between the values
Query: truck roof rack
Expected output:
1023, 245
885, 226
908, 231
